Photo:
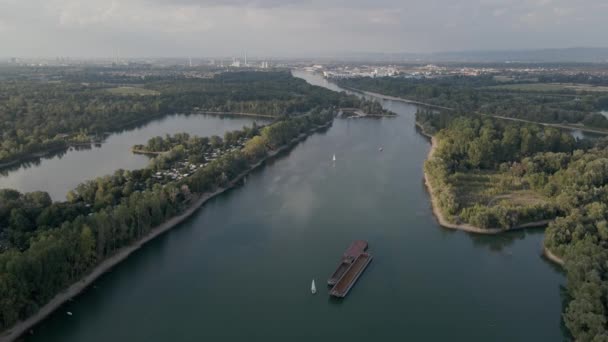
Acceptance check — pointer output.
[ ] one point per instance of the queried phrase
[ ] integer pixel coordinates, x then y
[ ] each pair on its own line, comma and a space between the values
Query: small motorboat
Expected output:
69, 313
313, 288
334, 158
380, 149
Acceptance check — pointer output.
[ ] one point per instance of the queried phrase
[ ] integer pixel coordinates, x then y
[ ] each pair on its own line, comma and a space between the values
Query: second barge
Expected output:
351, 275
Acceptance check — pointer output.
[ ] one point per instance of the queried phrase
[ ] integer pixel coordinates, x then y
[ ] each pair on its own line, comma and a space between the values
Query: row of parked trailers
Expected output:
353, 263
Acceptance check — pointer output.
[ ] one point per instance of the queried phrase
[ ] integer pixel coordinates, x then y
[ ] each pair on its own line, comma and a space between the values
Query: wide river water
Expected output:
61, 172
240, 268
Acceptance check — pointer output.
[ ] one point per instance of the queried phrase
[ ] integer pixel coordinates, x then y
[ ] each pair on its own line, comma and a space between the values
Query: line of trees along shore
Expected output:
38, 116
468, 94
571, 177
47, 246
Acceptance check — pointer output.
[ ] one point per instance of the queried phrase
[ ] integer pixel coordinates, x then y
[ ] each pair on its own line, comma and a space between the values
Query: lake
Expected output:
62, 172
240, 268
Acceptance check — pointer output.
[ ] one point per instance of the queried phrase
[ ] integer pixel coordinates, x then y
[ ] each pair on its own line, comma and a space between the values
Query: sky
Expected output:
291, 28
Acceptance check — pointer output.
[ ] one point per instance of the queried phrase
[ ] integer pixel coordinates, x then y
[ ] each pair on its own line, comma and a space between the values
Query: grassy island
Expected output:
489, 176
495, 175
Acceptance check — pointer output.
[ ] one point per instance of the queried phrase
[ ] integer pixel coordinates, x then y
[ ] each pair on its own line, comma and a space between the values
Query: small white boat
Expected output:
334, 158
69, 313
380, 149
313, 288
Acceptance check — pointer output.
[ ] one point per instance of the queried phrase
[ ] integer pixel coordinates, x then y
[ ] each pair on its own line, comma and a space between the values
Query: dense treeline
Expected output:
38, 115
584, 78
472, 144
476, 94
47, 246
549, 163
581, 238
193, 148
163, 144
373, 108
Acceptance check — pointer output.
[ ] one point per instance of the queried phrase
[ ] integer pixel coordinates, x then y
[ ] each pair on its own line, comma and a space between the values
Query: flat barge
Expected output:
349, 256
349, 278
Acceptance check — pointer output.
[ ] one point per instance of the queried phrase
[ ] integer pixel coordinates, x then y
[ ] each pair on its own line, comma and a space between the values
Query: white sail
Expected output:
313, 288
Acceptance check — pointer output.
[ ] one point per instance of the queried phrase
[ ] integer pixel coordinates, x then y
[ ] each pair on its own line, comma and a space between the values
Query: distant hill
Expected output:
576, 54
583, 54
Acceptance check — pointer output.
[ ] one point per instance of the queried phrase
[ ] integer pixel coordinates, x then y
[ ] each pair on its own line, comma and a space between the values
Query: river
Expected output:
61, 172
240, 268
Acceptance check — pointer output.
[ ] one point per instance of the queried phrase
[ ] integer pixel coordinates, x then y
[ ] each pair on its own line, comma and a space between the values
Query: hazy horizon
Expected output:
304, 56
269, 28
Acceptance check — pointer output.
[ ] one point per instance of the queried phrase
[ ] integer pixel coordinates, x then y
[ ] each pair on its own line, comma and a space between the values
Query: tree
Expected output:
86, 248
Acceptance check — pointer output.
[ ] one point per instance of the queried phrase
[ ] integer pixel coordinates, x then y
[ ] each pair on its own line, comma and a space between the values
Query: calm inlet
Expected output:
240, 269
62, 172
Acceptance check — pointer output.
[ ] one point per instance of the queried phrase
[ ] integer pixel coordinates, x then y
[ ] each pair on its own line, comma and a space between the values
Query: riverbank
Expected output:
470, 228
33, 156
552, 256
22, 327
266, 116
146, 152
546, 124
358, 113
443, 221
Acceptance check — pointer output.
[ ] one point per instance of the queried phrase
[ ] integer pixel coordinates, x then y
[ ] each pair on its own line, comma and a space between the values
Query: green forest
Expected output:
38, 116
496, 174
485, 95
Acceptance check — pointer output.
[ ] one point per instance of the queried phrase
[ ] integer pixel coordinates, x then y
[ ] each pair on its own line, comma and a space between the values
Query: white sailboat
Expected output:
334, 158
313, 288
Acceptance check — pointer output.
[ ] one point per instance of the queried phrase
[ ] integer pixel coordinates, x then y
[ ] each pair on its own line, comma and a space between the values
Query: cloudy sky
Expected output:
157, 28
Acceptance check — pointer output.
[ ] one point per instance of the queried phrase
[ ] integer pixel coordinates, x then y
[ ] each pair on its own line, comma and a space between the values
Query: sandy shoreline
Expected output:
552, 257
465, 226
476, 230
145, 152
23, 326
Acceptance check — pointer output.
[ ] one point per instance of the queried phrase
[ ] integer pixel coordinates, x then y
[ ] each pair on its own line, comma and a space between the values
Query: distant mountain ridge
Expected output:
548, 55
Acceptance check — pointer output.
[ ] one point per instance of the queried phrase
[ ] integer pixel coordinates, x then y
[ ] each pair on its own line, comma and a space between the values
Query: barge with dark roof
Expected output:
355, 249
353, 263
349, 278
